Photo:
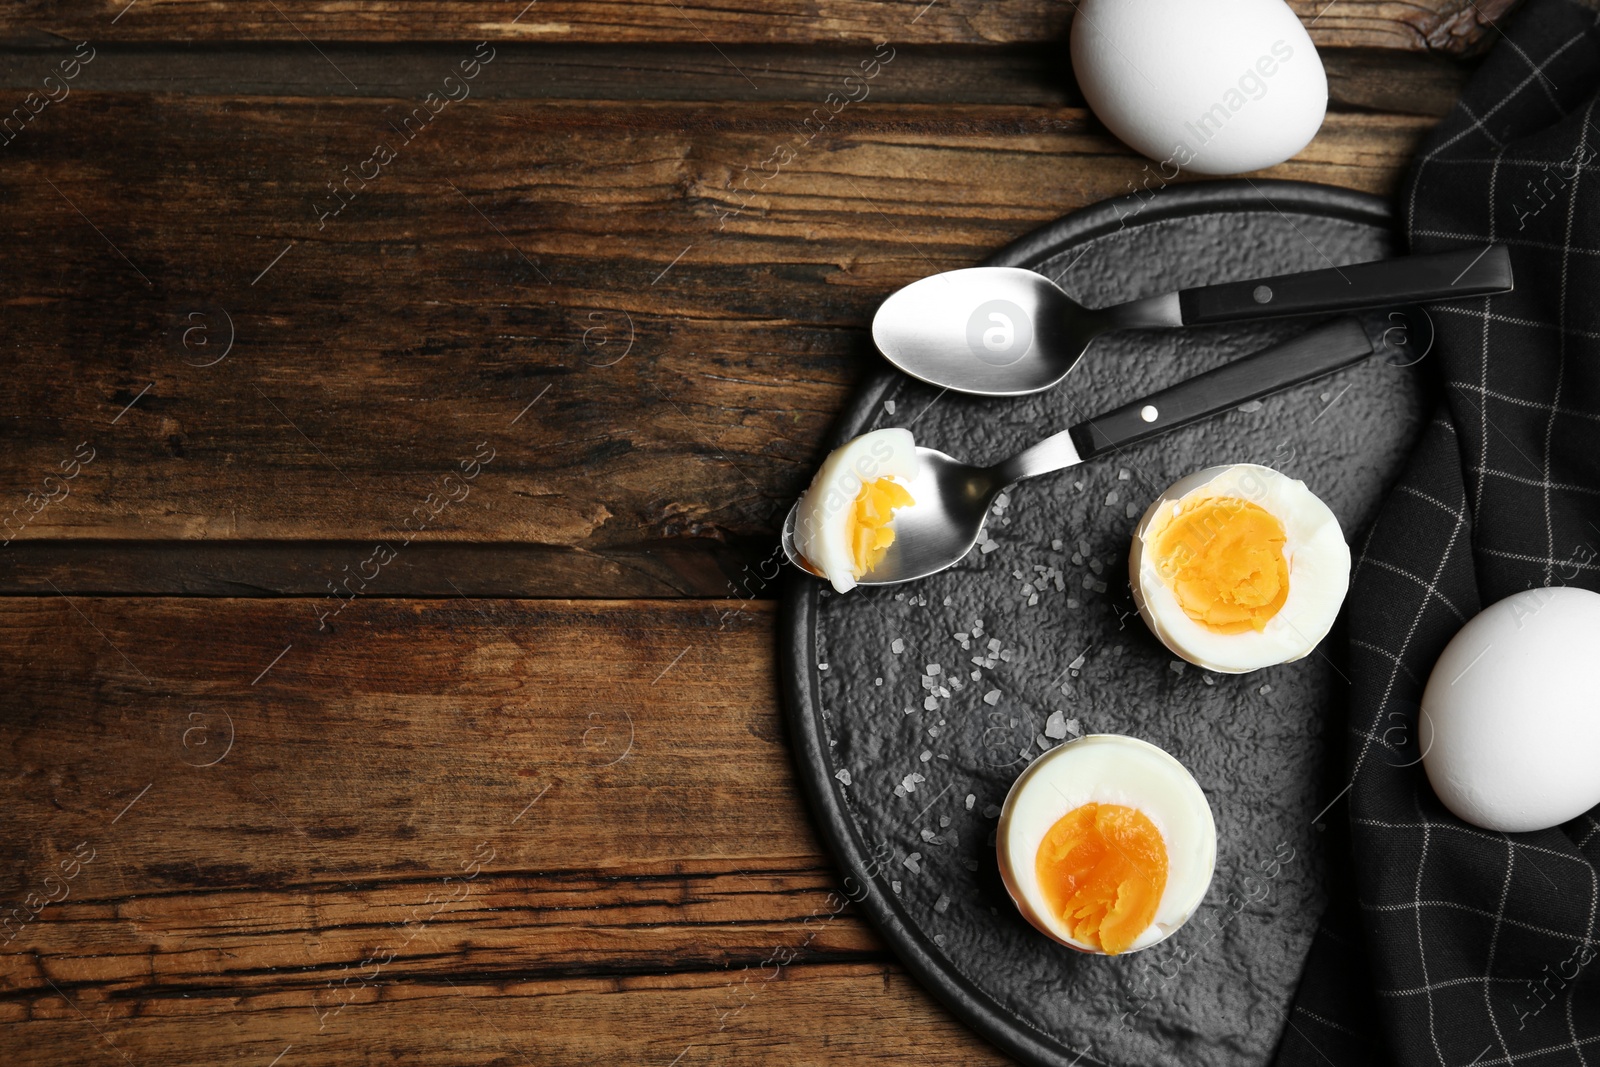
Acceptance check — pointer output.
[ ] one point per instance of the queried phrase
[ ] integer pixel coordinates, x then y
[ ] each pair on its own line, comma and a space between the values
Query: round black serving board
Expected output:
921, 862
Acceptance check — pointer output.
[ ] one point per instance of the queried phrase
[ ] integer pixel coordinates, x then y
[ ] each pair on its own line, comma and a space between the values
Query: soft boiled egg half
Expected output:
845, 520
1238, 568
1107, 844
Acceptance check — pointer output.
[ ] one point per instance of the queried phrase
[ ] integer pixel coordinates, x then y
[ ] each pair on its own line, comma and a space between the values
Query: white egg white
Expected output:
822, 523
1314, 546
1109, 769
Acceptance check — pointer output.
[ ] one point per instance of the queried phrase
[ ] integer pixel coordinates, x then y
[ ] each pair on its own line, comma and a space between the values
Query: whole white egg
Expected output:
1204, 86
1510, 720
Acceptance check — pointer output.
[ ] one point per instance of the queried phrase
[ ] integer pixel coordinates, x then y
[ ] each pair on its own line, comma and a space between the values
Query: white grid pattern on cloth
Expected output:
1457, 919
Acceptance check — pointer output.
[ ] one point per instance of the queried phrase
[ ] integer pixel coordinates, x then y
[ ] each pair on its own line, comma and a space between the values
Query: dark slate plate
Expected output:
920, 859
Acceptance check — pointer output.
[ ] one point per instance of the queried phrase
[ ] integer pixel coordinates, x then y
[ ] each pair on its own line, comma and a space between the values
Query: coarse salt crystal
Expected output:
843, 776
992, 697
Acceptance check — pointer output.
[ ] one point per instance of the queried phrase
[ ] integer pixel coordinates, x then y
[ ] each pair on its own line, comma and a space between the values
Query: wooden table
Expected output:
388, 649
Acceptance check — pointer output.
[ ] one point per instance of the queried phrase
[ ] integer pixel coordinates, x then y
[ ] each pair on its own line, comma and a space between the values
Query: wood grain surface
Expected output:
387, 661
579, 816
1436, 25
683, 321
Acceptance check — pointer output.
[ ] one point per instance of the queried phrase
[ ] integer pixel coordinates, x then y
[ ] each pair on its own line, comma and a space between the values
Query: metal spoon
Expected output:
952, 498
1005, 331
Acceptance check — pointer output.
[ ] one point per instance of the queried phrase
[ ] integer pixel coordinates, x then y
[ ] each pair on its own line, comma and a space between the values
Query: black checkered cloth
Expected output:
1450, 945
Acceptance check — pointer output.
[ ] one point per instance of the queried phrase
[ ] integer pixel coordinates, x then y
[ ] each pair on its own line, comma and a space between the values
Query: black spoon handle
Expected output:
1418, 279
1310, 355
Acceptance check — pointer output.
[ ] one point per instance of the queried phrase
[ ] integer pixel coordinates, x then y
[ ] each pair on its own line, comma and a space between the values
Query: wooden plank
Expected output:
632, 333
1438, 25
330, 838
1029, 75
837, 1014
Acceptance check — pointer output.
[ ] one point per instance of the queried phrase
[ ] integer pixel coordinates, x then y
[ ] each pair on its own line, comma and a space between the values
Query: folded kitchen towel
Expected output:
1453, 945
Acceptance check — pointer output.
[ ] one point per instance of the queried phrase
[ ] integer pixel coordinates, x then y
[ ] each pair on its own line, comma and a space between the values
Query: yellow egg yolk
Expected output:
869, 530
1103, 868
1223, 560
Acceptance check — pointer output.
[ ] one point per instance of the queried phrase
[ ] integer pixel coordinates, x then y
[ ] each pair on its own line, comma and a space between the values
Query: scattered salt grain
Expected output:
1250, 408
944, 820
1177, 666
1123, 474
1264, 690
1042, 741
992, 697
929, 836
941, 905
897, 646
888, 406
913, 863
932, 668
1056, 725
1112, 497
822, 666
930, 703
843, 776
895, 886
1056, 544
971, 800
1131, 511
926, 756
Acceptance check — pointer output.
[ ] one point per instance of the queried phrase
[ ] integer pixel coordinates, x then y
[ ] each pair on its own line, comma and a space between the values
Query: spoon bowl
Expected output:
951, 500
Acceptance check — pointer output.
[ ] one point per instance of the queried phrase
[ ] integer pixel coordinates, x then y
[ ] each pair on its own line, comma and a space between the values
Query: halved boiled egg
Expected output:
1107, 844
1238, 568
845, 519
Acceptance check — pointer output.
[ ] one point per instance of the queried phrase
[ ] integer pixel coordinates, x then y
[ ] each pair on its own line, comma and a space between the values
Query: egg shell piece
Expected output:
1510, 721
1205, 87
1319, 572
822, 523
1109, 769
